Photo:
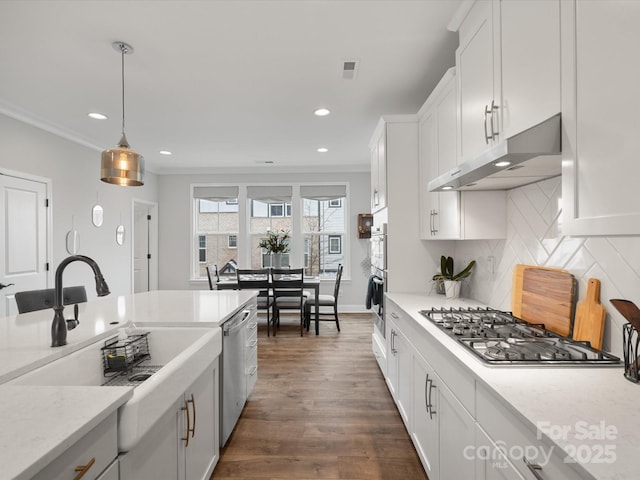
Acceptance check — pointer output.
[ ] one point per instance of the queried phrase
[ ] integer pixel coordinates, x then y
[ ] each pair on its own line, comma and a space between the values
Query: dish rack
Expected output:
119, 357
630, 342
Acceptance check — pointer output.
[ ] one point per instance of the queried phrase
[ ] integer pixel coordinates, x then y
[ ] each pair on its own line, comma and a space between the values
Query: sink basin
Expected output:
183, 354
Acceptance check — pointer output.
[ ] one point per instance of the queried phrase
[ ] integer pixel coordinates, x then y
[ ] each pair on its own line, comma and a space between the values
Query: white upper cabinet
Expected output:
439, 211
508, 64
600, 105
378, 149
451, 215
477, 61
530, 60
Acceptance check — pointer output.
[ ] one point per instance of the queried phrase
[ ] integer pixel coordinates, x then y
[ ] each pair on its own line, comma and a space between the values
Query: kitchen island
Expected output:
577, 422
40, 423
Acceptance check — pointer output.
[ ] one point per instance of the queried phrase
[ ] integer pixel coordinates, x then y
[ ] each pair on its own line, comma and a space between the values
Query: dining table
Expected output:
310, 283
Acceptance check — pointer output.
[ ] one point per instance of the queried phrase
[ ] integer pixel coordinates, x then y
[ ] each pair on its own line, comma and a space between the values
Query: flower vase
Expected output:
276, 260
452, 288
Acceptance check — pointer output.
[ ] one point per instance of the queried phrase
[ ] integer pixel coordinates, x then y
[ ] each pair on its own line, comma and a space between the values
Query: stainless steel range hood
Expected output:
533, 155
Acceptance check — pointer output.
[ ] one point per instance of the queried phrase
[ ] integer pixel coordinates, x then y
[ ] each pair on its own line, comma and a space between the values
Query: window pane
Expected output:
319, 216
217, 227
261, 221
324, 254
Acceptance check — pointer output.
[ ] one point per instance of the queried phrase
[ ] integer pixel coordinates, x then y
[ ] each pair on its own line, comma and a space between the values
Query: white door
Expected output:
23, 238
145, 246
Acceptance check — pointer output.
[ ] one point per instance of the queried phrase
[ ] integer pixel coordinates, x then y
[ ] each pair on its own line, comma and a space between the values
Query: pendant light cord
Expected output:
122, 51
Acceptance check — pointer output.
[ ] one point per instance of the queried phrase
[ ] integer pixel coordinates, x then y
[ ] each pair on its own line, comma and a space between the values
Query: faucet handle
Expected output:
73, 322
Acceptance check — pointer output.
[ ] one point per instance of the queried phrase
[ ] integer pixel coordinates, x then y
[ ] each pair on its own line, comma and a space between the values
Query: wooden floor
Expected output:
320, 410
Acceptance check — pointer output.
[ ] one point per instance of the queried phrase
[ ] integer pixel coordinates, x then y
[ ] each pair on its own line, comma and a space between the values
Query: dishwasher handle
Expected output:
235, 323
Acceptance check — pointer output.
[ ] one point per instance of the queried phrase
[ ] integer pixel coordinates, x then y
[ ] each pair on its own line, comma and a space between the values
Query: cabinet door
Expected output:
379, 173
531, 80
157, 454
491, 464
457, 435
399, 368
599, 116
439, 211
429, 201
201, 453
425, 433
476, 62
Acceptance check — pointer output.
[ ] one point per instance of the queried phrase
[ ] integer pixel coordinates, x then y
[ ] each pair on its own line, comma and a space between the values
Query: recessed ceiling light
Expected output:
165, 152
502, 164
321, 112
97, 116
447, 188
323, 150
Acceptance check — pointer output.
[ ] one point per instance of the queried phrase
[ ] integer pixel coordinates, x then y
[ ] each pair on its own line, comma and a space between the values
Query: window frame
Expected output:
292, 209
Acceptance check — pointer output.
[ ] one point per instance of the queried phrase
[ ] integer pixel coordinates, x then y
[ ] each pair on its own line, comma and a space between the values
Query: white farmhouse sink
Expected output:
183, 353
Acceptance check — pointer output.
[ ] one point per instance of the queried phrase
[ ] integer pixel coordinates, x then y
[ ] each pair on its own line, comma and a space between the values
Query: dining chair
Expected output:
288, 293
324, 301
32, 300
257, 279
213, 277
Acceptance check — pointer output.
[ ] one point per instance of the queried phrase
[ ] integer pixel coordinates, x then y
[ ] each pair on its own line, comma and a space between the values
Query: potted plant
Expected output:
449, 282
276, 243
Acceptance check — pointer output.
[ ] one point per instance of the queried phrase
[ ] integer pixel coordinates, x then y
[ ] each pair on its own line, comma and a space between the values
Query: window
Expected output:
202, 248
216, 224
335, 244
319, 213
323, 223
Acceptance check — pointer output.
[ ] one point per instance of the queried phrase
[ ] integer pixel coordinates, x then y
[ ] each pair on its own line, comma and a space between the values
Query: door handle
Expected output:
2, 285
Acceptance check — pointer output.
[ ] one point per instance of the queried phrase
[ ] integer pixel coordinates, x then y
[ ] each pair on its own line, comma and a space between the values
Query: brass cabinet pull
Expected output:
193, 403
82, 469
186, 409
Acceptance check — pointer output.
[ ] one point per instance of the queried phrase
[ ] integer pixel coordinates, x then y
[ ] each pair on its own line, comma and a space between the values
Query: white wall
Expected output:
75, 174
534, 237
175, 233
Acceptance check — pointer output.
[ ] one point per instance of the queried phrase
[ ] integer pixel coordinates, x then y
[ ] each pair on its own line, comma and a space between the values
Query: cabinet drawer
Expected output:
100, 444
520, 440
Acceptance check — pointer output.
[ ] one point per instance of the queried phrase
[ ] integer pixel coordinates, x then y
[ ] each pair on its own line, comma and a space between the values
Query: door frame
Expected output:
49, 214
153, 242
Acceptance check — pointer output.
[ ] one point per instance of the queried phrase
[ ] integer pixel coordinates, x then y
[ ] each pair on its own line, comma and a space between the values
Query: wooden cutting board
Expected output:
590, 316
544, 295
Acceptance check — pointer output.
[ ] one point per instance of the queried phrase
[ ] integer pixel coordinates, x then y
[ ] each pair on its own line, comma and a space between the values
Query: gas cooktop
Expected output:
499, 338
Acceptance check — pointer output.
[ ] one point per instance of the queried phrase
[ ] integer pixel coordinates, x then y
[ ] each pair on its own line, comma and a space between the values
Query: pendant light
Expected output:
121, 165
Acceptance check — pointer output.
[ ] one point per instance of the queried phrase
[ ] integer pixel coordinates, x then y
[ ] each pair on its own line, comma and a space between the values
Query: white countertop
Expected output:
554, 396
39, 423
25, 339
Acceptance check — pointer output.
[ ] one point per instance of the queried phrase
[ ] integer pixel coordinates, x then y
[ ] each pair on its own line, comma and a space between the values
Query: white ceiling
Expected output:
223, 84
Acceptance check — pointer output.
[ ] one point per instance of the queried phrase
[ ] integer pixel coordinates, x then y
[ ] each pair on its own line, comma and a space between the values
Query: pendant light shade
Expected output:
121, 165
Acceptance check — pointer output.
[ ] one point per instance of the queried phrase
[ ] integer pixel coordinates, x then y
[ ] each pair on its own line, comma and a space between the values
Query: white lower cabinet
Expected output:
184, 444
443, 430
425, 433
526, 449
399, 378
490, 460
111, 473
461, 429
90, 456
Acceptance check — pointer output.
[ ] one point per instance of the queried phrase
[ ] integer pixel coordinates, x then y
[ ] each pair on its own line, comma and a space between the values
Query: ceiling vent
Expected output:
350, 69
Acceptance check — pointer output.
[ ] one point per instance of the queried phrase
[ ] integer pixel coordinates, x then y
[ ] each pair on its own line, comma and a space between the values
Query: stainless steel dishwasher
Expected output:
233, 381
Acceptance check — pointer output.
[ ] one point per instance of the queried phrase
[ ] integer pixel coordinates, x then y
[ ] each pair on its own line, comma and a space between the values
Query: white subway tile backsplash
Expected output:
534, 237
